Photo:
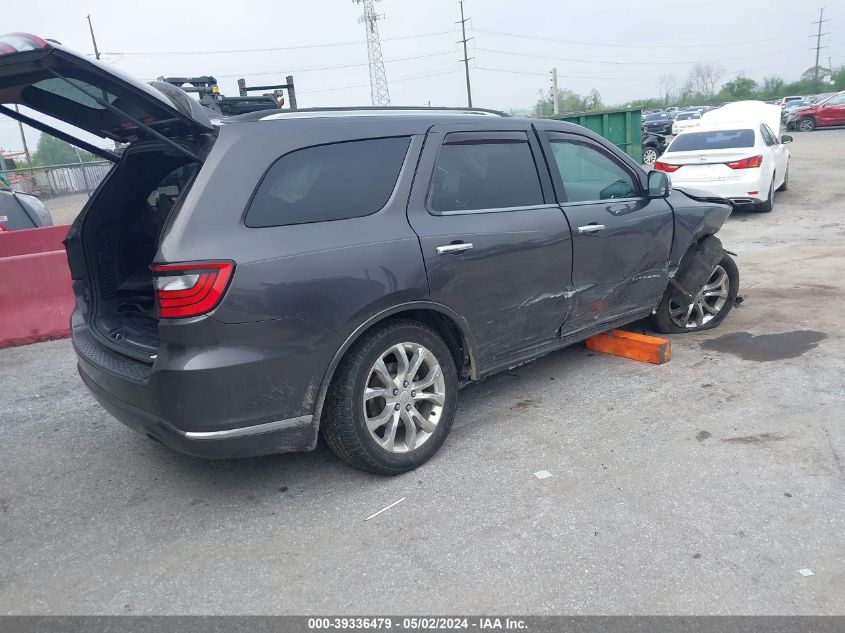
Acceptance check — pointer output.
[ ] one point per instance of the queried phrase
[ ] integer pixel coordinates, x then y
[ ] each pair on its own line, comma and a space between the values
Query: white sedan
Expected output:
740, 160
686, 120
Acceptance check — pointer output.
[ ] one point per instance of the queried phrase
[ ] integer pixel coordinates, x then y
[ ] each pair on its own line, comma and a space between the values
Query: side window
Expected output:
484, 171
768, 137
589, 174
328, 182
836, 101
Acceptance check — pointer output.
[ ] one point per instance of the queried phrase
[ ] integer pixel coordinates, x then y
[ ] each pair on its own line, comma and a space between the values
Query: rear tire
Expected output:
713, 302
402, 428
766, 207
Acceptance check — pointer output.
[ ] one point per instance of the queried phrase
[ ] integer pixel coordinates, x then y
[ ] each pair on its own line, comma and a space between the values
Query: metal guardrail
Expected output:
64, 189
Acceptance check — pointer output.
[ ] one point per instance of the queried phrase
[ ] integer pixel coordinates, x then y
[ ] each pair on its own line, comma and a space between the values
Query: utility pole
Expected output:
25, 146
379, 93
93, 39
466, 59
819, 46
555, 95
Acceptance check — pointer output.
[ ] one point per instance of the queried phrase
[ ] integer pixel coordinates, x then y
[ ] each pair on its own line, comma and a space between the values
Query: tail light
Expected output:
20, 42
666, 167
191, 289
746, 163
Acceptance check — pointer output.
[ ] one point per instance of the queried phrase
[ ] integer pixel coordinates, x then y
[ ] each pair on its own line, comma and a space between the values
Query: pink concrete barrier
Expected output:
36, 298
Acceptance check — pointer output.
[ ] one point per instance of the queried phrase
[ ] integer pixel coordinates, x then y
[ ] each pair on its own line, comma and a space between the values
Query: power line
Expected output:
395, 80
336, 67
628, 45
624, 63
272, 49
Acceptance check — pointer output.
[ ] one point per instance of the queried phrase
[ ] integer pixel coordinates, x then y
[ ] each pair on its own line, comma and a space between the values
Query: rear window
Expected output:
717, 139
328, 182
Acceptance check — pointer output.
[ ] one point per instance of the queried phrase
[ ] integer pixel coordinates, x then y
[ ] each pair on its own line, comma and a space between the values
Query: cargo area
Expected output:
118, 236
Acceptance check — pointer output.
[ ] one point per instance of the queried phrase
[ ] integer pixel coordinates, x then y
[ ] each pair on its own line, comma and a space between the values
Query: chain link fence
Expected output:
64, 189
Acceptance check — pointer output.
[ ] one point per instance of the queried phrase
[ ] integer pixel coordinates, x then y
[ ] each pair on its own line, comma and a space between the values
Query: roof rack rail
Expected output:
403, 108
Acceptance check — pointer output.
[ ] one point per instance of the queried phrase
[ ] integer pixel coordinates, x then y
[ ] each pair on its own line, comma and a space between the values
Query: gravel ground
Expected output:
701, 486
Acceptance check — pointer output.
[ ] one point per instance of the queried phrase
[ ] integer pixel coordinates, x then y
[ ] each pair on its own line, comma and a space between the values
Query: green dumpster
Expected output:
620, 127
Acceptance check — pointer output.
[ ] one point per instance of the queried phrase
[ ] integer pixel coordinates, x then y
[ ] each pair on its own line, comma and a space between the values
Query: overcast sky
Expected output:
620, 47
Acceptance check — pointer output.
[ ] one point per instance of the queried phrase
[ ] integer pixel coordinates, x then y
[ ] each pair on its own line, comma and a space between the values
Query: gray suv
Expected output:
246, 284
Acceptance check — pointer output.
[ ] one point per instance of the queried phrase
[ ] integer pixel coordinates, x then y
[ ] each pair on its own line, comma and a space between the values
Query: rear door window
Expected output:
328, 182
484, 170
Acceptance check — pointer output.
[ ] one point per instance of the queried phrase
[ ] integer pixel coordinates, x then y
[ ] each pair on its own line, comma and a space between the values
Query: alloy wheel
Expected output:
649, 156
806, 125
403, 397
706, 306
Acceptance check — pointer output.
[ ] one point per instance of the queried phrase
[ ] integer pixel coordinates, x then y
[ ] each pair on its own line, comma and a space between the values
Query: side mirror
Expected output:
659, 184
786, 138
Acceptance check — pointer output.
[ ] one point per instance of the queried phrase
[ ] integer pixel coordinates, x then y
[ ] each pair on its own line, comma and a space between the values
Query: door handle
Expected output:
591, 228
460, 247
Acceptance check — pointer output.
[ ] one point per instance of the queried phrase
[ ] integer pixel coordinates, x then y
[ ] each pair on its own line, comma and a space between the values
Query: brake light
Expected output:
20, 42
666, 167
746, 163
191, 289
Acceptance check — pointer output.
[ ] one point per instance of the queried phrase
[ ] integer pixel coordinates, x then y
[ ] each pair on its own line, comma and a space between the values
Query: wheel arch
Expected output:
449, 324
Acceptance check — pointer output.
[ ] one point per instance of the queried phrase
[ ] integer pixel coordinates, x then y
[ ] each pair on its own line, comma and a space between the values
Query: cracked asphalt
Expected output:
701, 486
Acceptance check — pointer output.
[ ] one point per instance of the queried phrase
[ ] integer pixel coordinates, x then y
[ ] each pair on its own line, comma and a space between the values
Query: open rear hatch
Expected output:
115, 239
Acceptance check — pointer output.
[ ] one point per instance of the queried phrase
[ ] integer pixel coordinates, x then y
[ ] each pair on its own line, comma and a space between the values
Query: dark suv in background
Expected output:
241, 287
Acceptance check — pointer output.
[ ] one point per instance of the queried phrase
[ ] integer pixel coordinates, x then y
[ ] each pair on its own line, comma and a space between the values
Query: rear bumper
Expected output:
737, 191
283, 436
223, 407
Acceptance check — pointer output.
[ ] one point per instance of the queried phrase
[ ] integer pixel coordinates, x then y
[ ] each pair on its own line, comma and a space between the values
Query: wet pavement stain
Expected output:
703, 435
766, 347
762, 438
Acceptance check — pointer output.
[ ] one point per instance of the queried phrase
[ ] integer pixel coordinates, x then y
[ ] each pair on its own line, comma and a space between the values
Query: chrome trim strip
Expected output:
249, 430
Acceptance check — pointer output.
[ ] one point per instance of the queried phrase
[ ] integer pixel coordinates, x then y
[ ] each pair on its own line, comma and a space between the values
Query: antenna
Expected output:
379, 93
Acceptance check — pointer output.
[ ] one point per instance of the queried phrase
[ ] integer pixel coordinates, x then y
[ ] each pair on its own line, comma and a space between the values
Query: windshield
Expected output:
684, 116
656, 117
716, 139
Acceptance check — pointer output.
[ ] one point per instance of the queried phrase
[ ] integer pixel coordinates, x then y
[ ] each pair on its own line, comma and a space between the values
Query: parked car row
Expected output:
827, 112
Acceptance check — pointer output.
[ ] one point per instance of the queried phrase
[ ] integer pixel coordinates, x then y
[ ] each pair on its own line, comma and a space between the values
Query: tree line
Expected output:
703, 85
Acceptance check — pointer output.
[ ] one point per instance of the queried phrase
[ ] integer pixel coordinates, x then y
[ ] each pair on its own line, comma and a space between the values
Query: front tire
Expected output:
807, 125
713, 302
649, 156
392, 400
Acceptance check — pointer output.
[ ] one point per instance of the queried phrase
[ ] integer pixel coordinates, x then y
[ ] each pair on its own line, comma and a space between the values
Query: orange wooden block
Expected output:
649, 349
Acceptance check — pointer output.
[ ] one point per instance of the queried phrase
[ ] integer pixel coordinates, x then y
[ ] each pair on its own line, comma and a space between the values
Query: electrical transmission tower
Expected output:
379, 92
